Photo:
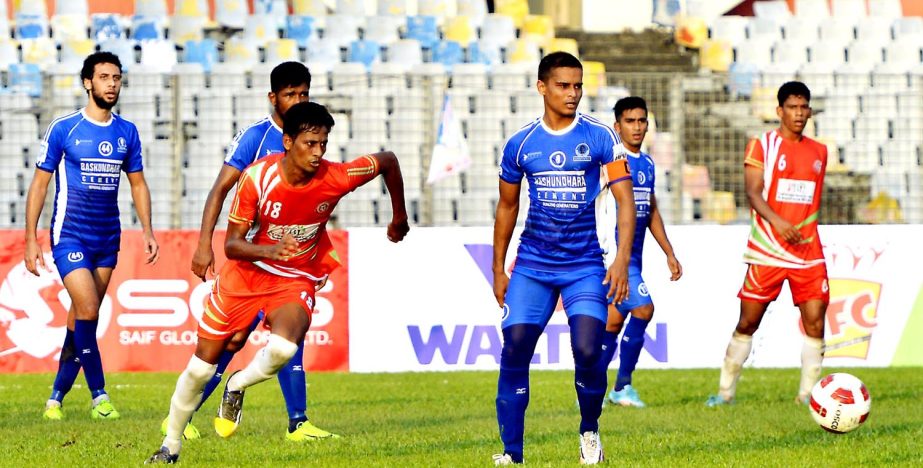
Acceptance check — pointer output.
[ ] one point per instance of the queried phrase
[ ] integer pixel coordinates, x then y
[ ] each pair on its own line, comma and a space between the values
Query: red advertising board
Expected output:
148, 319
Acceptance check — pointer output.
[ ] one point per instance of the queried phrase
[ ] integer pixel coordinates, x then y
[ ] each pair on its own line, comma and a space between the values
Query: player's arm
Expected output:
623, 192
390, 170
35, 201
505, 222
203, 260
754, 185
141, 195
658, 230
237, 247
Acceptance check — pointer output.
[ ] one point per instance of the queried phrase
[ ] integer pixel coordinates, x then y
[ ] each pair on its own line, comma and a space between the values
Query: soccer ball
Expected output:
840, 403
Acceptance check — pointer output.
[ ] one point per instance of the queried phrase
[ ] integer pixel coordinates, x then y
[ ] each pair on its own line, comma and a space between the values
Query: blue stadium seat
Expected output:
31, 26
146, 28
364, 52
423, 29
105, 27
204, 52
485, 52
300, 28
448, 53
742, 77
25, 78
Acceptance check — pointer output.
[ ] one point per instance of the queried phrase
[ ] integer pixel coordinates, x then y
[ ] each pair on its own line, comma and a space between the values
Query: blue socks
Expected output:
589, 377
294, 388
88, 354
513, 385
632, 343
610, 346
68, 368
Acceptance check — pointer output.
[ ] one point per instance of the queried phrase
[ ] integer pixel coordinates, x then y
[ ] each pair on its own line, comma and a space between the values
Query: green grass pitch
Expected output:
447, 419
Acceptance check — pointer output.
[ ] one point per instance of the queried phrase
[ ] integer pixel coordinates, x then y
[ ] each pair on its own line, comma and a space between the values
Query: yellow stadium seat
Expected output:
522, 51
696, 181
719, 207
690, 32
459, 29
282, 50
881, 209
41, 51
309, 8
561, 44
594, 77
190, 8
763, 103
538, 29
716, 55
515, 9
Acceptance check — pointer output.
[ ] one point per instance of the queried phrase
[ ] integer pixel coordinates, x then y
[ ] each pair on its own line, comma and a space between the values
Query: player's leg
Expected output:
295, 392
187, 395
584, 299
632, 343
761, 286
811, 292
68, 368
528, 305
614, 322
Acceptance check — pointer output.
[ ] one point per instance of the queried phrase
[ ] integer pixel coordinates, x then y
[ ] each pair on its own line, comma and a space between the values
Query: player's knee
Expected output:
645, 312
199, 370
280, 350
86, 310
746, 326
814, 328
237, 342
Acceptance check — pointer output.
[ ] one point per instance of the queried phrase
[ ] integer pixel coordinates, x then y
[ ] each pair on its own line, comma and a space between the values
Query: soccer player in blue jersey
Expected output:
86, 151
571, 161
290, 84
631, 125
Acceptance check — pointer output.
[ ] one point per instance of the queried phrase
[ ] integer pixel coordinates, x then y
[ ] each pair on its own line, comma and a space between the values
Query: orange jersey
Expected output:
273, 208
793, 179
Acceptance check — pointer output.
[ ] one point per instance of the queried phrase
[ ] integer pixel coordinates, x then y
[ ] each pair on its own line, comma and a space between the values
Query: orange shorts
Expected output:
241, 291
763, 283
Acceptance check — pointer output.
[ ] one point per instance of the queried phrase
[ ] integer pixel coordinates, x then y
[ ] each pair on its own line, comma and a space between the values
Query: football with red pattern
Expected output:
840, 403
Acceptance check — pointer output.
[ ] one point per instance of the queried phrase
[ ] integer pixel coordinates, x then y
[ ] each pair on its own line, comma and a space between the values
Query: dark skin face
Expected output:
287, 97
303, 154
632, 128
562, 92
105, 86
794, 114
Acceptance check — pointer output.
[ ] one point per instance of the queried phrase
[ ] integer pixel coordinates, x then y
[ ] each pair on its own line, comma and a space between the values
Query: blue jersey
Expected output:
567, 186
642, 178
87, 183
259, 140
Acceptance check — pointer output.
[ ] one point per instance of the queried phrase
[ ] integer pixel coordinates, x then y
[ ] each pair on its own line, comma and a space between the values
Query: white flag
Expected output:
450, 154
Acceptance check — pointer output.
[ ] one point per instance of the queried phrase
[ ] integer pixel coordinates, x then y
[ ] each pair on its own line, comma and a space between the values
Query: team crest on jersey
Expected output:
557, 159
123, 145
323, 207
301, 232
506, 312
642, 290
818, 166
105, 148
642, 177
75, 257
582, 153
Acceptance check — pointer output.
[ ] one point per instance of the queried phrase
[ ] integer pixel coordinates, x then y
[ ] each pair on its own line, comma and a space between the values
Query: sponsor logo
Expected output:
642, 290
301, 232
534, 154
105, 148
323, 207
75, 257
522, 390
851, 317
818, 166
79, 142
557, 159
582, 153
123, 145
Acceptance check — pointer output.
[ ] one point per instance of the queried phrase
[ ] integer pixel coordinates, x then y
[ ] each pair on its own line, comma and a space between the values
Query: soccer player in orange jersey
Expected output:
784, 178
278, 250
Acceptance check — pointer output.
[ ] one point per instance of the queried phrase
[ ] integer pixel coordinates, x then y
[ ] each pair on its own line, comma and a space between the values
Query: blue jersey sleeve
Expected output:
510, 170
133, 160
52, 147
239, 153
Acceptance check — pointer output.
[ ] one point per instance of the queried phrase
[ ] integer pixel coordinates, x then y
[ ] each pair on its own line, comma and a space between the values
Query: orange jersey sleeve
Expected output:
244, 207
356, 173
754, 154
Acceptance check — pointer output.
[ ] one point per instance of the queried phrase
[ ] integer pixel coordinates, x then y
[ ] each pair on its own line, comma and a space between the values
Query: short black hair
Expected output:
306, 116
793, 88
629, 103
288, 74
556, 60
96, 58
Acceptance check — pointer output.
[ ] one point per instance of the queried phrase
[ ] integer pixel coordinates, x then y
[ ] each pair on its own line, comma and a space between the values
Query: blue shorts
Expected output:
638, 295
533, 295
70, 255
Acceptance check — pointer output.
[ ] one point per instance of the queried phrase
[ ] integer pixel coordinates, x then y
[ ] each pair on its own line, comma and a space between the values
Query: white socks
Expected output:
186, 399
737, 353
812, 356
267, 362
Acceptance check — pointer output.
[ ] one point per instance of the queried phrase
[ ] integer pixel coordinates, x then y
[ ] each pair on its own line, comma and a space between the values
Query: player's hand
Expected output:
676, 270
787, 231
321, 283
501, 284
151, 248
617, 279
203, 261
285, 249
397, 229
34, 258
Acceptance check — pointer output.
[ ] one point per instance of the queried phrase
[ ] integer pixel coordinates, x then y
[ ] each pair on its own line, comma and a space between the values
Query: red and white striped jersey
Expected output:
793, 179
